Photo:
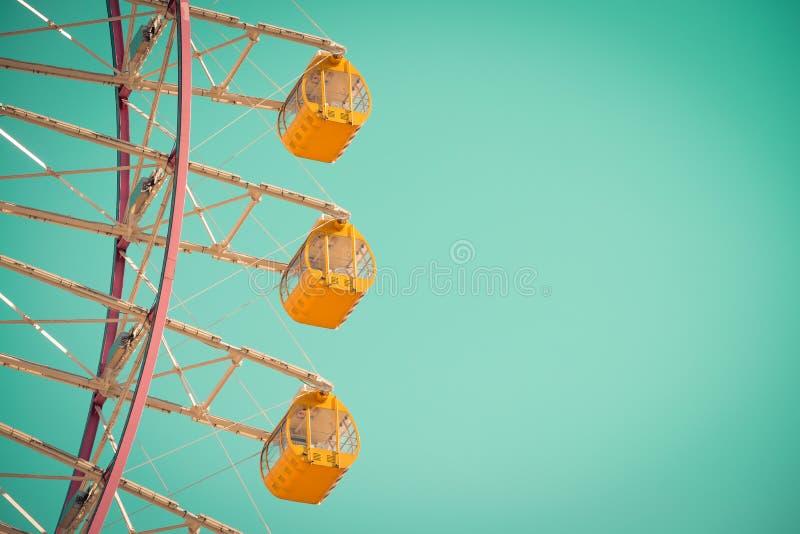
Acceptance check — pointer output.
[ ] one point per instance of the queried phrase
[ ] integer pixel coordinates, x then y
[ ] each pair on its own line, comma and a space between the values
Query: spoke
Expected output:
242, 55
5, 528
55, 175
61, 72
281, 246
285, 326
142, 273
198, 210
147, 117
24, 150
68, 36
176, 370
76, 24
46, 335
153, 466
164, 120
226, 316
220, 384
198, 13
184, 382
199, 481
116, 391
107, 430
133, 233
207, 338
311, 20
83, 197
95, 473
22, 511
289, 332
161, 157
261, 410
241, 151
210, 287
121, 231
136, 83
236, 361
60, 321
238, 224
202, 63
242, 482
221, 45
279, 88
39, 477
153, 289
185, 445
162, 529
124, 512
199, 54
76, 171
150, 242
270, 128
129, 35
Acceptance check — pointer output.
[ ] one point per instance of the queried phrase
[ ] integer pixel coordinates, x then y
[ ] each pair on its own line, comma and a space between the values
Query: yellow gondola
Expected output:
325, 109
310, 449
328, 275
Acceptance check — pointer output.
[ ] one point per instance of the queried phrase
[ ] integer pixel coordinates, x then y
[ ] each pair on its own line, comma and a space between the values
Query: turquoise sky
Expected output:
629, 169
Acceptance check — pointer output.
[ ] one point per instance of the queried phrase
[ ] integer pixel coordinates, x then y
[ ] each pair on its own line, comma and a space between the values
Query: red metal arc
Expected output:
120, 245
158, 313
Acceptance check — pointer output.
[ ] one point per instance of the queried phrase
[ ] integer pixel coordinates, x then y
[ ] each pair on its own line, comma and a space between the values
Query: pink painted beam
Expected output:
120, 246
158, 314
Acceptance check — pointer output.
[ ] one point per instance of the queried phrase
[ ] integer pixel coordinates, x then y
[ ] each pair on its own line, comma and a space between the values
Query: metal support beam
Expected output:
238, 224
137, 83
165, 529
228, 373
73, 171
56, 27
261, 28
123, 232
202, 336
5, 528
96, 474
163, 158
223, 86
22, 512
112, 390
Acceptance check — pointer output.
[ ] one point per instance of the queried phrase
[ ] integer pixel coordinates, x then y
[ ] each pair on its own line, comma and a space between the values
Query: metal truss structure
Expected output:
150, 209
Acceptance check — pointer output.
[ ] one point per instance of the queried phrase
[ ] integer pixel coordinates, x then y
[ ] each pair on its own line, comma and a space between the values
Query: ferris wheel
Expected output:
172, 66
